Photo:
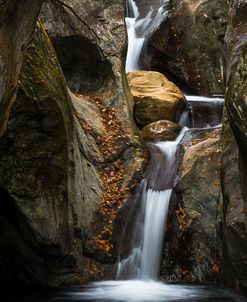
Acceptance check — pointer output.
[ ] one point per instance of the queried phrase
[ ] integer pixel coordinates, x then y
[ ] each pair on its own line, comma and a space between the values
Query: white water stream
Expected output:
135, 44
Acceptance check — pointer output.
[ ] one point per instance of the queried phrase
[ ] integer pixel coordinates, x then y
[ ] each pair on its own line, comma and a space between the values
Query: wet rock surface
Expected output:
193, 242
234, 214
155, 98
160, 131
204, 114
234, 180
189, 44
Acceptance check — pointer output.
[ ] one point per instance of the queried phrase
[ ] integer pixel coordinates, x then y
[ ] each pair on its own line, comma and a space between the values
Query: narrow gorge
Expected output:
122, 156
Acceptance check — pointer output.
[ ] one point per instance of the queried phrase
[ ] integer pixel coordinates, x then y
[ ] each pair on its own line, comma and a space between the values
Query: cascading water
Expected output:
135, 44
144, 260
138, 29
141, 267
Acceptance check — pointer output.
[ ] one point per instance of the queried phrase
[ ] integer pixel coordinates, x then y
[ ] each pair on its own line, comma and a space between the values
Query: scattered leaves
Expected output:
215, 268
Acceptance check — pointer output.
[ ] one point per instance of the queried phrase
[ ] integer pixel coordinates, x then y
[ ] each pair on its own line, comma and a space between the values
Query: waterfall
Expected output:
135, 44
137, 274
155, 220
138, 29
144, 261
203, 112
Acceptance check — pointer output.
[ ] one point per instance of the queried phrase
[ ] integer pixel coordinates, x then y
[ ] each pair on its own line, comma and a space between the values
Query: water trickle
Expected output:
202, 112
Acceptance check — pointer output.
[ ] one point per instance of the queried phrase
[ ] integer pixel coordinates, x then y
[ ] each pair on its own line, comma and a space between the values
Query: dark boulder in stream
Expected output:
160, 131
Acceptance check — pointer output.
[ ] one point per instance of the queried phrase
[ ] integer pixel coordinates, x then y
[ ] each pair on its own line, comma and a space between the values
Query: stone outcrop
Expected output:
155, 98
195, 213
17, 23
38, 155
189, 44
235, 239
69, 159
160, 131
234, 164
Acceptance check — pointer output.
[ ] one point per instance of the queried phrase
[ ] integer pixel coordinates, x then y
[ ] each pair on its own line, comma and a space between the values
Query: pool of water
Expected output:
132, 291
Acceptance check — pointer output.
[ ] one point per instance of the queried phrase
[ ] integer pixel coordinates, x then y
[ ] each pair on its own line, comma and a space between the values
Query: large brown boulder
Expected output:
155, 98
189, 44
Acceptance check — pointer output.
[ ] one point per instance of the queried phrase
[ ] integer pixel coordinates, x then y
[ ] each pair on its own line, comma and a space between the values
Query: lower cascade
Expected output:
144, 261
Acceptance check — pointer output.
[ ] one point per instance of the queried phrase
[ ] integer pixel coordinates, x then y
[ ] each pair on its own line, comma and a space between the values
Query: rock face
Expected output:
155, 98
194, 219
68, 162
234, 176
189, 44
235, 239
160, 131
14, 38
37, 157
145, 7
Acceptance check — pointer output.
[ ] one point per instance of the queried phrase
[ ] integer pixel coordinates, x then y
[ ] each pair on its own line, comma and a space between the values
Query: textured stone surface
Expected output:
189, 44
17, 23
235, 240
160, 131
192, 249
37, 153
235, 178
155, 98
68, 162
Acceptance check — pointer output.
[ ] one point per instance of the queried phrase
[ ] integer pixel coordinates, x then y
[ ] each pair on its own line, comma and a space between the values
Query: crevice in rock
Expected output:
82, 64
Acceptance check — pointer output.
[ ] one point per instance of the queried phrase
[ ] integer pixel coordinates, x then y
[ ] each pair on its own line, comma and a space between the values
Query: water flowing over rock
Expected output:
80, 191
155, 98
189, 44
193, 243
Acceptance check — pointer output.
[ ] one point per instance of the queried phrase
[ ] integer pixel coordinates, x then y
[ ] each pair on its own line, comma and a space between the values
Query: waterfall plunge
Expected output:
144, 261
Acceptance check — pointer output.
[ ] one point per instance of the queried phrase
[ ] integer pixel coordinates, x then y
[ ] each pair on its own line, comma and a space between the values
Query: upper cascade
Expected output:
132, 10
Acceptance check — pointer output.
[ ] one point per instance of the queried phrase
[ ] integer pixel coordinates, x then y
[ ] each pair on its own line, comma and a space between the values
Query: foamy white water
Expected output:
136, 291
202, 99
156, 210
144, 260
135, 46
